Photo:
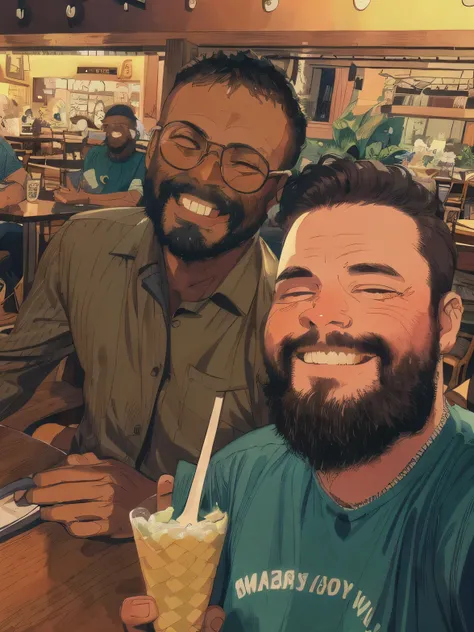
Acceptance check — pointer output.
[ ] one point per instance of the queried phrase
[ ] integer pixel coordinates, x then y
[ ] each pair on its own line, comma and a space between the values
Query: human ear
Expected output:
449, 317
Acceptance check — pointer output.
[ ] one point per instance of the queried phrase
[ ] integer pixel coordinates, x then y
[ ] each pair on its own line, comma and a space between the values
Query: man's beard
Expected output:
186, 241
116, 151
334, 435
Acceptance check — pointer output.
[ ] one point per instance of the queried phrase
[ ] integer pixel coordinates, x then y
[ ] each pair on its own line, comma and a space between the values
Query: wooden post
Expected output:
179, 52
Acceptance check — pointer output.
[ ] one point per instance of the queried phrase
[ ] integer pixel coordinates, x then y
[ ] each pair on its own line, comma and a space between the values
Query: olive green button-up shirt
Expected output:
150, 378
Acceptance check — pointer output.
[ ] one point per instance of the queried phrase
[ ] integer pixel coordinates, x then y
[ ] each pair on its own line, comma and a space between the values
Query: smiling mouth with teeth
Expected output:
199, 208
333, 357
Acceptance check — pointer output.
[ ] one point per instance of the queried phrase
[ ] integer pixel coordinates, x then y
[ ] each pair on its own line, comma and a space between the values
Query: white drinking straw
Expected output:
190, 513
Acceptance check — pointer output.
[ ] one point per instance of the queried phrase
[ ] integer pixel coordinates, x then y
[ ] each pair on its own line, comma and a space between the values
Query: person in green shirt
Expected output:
12, 191
354, 512
12, 176
113, 173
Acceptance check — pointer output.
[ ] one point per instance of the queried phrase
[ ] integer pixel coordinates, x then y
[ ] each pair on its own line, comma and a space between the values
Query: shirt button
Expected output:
176, 323
137, 430
155, 370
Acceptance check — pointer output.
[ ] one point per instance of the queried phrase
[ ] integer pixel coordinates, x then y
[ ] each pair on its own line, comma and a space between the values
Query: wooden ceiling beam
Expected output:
456, 41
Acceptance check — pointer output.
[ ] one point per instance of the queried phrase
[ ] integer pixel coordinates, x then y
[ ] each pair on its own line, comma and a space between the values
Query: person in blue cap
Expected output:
113, 173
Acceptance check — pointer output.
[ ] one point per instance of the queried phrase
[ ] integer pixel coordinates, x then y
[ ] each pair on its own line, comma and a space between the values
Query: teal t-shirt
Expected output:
9, 162
295, 561
103, 175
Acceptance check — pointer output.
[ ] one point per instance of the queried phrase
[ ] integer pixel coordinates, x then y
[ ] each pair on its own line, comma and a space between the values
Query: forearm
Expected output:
129, 198
13, 194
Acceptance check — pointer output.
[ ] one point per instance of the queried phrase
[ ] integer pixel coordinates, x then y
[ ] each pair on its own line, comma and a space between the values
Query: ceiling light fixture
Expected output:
75, 12
361, 5
270, 5
23, 13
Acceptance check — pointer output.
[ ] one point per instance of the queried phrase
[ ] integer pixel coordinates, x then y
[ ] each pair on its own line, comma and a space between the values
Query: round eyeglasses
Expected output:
243, 168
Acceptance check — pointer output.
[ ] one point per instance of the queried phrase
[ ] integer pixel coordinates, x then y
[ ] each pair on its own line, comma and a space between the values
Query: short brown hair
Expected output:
260, 76
337, 181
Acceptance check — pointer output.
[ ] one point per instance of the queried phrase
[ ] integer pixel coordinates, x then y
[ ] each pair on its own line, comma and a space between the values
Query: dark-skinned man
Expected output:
114, 172
165, 308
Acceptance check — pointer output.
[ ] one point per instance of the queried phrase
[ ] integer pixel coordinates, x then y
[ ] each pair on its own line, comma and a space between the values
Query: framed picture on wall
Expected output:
15, 67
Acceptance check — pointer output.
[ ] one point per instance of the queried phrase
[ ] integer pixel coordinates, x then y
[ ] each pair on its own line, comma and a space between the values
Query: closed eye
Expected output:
377, 290
297, 294
191, 141
246, 165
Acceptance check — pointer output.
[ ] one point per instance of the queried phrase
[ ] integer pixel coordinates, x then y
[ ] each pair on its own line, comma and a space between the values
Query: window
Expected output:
322, 88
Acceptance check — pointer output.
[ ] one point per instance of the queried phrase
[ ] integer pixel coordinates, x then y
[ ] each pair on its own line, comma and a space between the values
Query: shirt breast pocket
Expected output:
201, 390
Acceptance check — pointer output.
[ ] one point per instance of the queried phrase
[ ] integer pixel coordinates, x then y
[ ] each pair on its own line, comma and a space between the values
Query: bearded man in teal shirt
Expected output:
354, 512
114, 172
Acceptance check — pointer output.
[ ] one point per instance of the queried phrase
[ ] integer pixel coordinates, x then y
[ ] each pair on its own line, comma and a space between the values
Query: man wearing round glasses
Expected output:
164, 306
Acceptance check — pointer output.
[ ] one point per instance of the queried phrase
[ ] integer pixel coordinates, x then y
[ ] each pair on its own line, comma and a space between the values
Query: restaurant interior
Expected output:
403, 109
375, 82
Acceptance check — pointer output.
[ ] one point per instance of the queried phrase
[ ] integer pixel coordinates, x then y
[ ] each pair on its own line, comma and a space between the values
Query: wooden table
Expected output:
31, 215
62, 140
49, 580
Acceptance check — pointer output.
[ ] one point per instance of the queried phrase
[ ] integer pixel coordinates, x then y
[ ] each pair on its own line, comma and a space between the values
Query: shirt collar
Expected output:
239, 286
241, 283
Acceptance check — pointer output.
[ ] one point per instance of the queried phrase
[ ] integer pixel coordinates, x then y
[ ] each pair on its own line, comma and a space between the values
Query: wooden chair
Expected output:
459, 359
451, 217
464, 238
55, 410
51, 176
460, 396
465, 257
8, 307
455, 197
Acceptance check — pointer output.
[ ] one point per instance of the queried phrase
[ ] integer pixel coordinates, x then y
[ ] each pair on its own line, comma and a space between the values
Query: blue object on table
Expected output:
17, 486
15, 526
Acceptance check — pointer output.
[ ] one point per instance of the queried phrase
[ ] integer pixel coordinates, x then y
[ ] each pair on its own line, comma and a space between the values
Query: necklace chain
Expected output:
410, 465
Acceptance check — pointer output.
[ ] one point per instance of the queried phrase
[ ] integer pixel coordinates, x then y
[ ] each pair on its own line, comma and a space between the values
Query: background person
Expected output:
113, 173
12, 192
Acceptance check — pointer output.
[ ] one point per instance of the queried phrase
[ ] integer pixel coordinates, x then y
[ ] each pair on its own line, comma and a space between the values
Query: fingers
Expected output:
88, 529
83, 459
76, 512
137, 612
69, 474
165, 492
69, 493
214, 619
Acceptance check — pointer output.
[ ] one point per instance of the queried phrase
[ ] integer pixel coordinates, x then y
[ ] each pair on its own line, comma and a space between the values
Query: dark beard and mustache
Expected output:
334, 435
116, 151
186, 240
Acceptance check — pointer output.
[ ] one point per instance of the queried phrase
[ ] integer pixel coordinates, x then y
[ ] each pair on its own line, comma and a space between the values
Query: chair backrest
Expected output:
51, 176
465, 257
54, 161
456, 189
451, 216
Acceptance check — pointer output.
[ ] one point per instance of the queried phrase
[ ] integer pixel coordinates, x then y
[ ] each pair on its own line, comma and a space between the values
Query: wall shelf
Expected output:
455, 114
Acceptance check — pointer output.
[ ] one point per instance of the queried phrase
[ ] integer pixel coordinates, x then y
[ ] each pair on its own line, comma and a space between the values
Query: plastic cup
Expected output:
179, 566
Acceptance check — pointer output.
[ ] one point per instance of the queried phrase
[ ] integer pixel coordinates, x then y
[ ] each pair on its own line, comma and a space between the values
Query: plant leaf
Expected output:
346, 138
373, 151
